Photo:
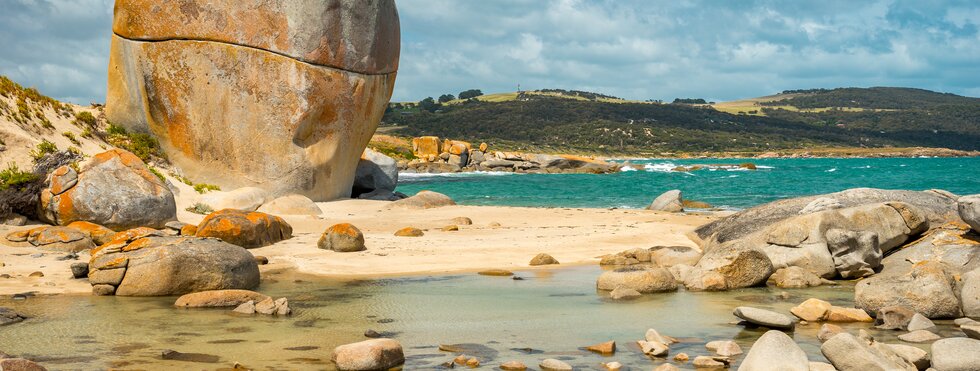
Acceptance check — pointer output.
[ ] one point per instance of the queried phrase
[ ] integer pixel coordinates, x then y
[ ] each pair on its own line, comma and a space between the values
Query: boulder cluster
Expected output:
450, 156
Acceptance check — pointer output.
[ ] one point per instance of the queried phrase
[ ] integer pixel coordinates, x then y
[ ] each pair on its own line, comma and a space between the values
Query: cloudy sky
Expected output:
638, 49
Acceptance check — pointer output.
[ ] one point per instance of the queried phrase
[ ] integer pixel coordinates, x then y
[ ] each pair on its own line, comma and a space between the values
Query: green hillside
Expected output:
568, 121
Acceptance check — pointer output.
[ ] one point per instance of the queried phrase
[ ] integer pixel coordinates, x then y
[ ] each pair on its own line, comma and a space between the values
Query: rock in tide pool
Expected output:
9, 316
709, 362
409, 232
608, 347
374, 354
335, 64
795, 278
513, 366
762, 317
424, 200
918, 357
971, 330
627, 257
552, 364
218, 298
969, 210
920, 322
343, 237
670, 201
666, 367
775, 351
170, 265
624, 293
956, 354
919, 336
840, 314
375, 172
245, 229
742, 268
20, 364
894, 317
811, 310
613, 366
496, 272
114, 189
828, 331
847, 352
291, 205
543, 259
725, 348
641, 279
653, 348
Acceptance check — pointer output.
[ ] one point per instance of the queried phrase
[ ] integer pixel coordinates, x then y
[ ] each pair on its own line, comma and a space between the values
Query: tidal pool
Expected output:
548, 314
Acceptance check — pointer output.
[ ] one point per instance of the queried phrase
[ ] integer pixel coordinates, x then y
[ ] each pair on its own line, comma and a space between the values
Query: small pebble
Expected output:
681, 357
36, 274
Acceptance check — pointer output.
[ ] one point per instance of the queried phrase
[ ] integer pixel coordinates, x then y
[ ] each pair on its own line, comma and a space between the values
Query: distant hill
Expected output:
569, 121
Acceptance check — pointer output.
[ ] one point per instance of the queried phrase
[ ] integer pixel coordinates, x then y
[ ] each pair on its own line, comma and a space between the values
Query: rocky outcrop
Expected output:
937, 208
245, 229
114, 189
669, 201
196, 74
142, 264
450, 156
376, 174
291, 205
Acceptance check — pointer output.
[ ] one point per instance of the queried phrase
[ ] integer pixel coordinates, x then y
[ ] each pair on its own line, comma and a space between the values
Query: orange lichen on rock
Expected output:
244, 228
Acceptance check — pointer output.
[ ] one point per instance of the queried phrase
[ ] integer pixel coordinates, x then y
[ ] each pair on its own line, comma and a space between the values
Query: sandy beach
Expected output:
572, 236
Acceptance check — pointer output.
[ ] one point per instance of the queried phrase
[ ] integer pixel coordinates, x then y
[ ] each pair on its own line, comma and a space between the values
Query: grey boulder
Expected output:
375, 172
669, 201
642, 279
956, 354
969, 210
765, 318
775, 351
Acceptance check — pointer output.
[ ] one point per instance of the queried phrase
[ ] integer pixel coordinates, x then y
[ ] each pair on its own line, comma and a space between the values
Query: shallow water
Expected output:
775, 179
549, 314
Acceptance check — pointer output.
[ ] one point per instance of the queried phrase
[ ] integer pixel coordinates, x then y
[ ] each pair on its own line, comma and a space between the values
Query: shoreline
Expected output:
574, 236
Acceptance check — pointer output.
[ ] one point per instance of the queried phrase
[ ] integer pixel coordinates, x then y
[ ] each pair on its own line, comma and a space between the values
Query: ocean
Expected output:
729, 189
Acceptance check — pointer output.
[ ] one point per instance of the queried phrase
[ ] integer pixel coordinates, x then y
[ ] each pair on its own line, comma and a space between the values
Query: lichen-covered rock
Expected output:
543, 259
424, 200
114, 189
424, 147
343, 237
197, 74
409, 232
97, 233
62, 239
170, 265
245, 229
376, 172
291, 205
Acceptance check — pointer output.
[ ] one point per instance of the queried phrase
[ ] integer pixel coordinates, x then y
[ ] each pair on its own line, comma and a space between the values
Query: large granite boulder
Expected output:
423, 200
280, 95
114, 189
938, 207
733, 268
969, 210
375, 173
775, 351
930, 275
669, 201
956, 354
245, 229
642, 279
143, 264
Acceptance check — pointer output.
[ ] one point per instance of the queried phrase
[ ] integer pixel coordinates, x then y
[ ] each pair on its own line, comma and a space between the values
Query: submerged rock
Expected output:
764, 318
20, 364
9, 316
624, 293
552, 364
919, 336
739, 268
218, 298
374, 354
114, 189
795, 278
245, 229
607, 348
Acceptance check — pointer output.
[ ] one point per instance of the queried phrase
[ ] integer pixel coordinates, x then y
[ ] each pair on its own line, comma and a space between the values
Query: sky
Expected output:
635, 49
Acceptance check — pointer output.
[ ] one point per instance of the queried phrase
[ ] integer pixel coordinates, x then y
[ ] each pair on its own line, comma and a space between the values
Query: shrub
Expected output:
85, 118
71, 137
205, 188
157, 173
43, 148
115, 130
142, 145
182, 179
13, 177
200, 208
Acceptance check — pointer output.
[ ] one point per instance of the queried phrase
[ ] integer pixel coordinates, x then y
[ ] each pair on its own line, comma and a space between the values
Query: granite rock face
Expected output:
280, 95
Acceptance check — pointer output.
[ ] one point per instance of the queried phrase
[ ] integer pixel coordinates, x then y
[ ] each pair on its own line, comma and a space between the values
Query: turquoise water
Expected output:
775, 179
